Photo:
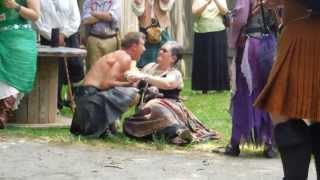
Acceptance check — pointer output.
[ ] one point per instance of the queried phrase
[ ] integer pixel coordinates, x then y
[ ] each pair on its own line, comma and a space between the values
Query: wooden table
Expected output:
40, 105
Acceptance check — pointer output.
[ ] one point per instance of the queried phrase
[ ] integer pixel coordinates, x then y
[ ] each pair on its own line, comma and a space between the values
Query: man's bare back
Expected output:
109, 71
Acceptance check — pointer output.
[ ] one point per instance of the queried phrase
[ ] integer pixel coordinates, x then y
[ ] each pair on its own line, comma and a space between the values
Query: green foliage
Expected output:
211, 109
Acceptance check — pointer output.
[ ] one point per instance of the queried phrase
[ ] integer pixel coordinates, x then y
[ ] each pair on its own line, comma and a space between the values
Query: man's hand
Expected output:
11, 4
133, 76
90, 20
102, 15
96, 14
61, 40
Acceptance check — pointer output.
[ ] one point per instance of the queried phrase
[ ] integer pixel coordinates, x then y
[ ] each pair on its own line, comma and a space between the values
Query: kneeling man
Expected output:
106, 94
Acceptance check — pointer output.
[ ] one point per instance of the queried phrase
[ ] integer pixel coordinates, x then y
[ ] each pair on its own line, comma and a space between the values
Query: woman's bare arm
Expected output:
222, 7
273, 3
30, 12
196, 10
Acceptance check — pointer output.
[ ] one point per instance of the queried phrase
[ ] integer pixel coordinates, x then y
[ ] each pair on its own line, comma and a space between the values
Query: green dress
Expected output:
18, 52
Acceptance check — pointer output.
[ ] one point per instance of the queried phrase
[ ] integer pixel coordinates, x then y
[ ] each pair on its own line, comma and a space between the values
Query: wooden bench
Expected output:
40, 105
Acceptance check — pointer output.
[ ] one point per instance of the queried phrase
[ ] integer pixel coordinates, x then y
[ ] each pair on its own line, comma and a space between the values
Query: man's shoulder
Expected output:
118, 56
122, 55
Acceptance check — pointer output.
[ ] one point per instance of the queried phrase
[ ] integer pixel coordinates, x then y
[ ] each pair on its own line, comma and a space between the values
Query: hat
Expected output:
166, 6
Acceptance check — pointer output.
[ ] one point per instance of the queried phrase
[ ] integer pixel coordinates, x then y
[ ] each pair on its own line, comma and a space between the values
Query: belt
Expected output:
255, 30
103, 36
15, 27
85, 90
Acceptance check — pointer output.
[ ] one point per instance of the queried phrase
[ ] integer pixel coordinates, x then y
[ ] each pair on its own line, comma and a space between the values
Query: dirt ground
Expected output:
37, 160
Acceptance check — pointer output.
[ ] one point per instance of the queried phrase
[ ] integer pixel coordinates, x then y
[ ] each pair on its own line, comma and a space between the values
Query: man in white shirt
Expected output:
64, 15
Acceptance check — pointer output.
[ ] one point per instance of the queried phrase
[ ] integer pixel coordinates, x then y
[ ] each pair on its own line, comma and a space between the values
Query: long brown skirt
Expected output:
160, 113
293, 87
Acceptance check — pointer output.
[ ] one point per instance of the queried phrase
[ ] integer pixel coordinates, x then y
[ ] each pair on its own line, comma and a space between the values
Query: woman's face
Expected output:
165, 56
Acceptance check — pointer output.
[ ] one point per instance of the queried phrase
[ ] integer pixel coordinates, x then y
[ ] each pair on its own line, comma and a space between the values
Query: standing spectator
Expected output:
101, 19
153, 13
64, 15
254, 43
18, 52
292, 94
209, 65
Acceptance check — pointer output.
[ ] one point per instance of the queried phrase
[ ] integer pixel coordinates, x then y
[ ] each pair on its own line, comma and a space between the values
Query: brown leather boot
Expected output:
6, 106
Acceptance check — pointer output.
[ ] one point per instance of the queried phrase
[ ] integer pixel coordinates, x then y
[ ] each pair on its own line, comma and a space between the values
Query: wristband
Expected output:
18, 8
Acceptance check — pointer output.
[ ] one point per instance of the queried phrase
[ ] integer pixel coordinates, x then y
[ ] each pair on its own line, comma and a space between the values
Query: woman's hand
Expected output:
222, 7
197, 11
11, 4
137, 2
165, 1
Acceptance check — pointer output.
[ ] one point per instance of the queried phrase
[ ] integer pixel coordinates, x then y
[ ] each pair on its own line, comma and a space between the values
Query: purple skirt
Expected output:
253, 64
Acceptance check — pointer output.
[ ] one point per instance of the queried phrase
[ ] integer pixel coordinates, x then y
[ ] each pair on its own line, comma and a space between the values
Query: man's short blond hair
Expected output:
131, 38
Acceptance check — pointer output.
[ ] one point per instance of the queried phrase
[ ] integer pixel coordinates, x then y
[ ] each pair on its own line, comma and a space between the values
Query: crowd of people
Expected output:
273, 76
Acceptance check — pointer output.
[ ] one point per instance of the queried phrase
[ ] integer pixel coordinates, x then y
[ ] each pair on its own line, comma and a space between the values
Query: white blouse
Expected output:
62, 14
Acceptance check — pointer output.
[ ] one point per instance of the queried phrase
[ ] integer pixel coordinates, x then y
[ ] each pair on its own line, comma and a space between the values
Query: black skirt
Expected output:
209, 63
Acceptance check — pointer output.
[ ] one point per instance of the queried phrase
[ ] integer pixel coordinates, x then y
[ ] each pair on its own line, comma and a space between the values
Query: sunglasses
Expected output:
164, 50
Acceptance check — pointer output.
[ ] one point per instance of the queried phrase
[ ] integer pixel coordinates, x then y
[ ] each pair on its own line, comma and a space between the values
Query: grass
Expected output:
211, 109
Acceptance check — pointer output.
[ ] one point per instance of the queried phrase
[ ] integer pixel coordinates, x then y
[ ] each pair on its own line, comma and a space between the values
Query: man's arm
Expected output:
73, 22
172, 80
48, 19
112, 15
115, 83
118, 71
87, 18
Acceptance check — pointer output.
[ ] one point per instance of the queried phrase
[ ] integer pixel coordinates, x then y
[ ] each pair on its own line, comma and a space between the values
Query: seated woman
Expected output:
164, 114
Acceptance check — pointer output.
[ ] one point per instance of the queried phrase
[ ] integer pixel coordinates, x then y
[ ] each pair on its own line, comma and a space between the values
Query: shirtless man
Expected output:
110, 69
106, 94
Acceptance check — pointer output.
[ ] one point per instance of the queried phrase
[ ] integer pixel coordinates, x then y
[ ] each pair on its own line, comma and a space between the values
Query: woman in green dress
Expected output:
18, 53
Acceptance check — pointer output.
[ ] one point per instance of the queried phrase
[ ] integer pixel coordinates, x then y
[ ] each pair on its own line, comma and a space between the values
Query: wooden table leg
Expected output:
40, 105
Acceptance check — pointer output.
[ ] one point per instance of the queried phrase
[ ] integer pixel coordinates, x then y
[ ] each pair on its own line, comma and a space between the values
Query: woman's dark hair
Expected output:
131, 38
176, 50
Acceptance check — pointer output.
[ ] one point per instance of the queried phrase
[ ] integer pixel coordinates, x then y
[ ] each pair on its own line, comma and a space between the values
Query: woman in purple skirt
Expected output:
252, 37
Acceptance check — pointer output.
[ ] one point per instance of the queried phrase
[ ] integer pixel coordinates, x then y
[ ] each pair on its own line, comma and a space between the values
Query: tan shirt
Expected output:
144, 13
